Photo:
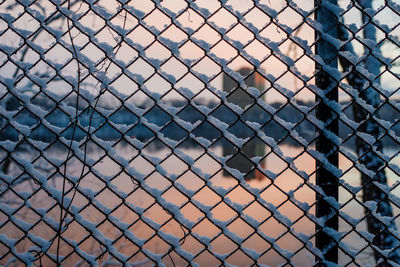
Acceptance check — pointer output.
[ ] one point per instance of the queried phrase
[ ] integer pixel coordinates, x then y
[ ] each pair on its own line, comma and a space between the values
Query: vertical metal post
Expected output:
325, 179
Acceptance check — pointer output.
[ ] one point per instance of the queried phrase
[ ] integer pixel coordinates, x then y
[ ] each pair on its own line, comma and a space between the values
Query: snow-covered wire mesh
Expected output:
199, 132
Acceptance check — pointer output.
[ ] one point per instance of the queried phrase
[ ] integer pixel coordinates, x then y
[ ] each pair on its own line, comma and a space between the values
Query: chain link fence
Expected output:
175, 133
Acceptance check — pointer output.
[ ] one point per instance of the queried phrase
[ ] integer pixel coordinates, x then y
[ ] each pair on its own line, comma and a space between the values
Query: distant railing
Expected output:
199, 132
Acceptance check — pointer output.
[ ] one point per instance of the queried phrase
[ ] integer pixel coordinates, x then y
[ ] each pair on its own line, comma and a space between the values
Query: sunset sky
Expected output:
143, 36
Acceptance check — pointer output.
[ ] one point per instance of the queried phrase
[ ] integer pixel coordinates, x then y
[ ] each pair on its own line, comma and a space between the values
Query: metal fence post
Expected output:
325, 179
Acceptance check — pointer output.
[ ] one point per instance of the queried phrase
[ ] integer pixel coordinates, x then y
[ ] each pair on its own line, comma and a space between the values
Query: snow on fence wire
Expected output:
199, 132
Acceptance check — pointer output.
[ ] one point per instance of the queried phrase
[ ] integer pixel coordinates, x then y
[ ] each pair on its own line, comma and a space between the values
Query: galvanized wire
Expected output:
184, 132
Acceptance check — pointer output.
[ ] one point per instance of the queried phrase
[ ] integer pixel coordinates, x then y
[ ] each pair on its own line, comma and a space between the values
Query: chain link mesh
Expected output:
184, 132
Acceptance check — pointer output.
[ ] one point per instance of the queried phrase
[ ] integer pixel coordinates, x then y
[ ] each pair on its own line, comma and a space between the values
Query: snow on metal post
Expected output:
325, 179
385, 235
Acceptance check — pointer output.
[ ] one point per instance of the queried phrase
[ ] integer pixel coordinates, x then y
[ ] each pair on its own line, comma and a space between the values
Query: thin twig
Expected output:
88, 135
74, 188
61, 220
